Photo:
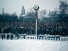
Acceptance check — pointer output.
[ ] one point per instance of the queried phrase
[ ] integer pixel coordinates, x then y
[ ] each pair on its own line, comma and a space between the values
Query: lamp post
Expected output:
36, 8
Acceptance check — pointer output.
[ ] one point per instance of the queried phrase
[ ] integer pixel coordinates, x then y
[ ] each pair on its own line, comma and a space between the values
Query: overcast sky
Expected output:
12, 6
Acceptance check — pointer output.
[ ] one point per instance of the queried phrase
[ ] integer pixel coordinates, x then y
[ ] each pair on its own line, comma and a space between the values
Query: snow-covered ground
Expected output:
33, 45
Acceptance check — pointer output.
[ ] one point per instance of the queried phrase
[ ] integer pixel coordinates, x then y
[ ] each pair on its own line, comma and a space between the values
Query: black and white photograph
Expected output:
33, 25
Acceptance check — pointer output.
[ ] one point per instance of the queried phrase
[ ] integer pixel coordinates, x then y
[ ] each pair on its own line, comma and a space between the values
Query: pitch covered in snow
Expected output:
33, 45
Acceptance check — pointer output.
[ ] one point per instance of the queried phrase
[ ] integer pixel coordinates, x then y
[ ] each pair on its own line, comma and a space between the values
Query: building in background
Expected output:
3, 11
22, 15
23, 11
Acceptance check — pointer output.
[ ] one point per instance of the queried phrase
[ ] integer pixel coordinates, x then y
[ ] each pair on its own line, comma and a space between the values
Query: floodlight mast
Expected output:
36, 8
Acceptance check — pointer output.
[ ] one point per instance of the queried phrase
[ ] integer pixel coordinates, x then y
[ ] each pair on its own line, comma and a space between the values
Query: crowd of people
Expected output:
29, 28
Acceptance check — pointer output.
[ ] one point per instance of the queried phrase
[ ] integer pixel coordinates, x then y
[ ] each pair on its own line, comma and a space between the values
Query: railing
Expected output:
38, 37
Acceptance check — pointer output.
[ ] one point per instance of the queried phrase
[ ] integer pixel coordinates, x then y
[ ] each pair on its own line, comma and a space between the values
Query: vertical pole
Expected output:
36, 26
36, 29
36, 8
36, 15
